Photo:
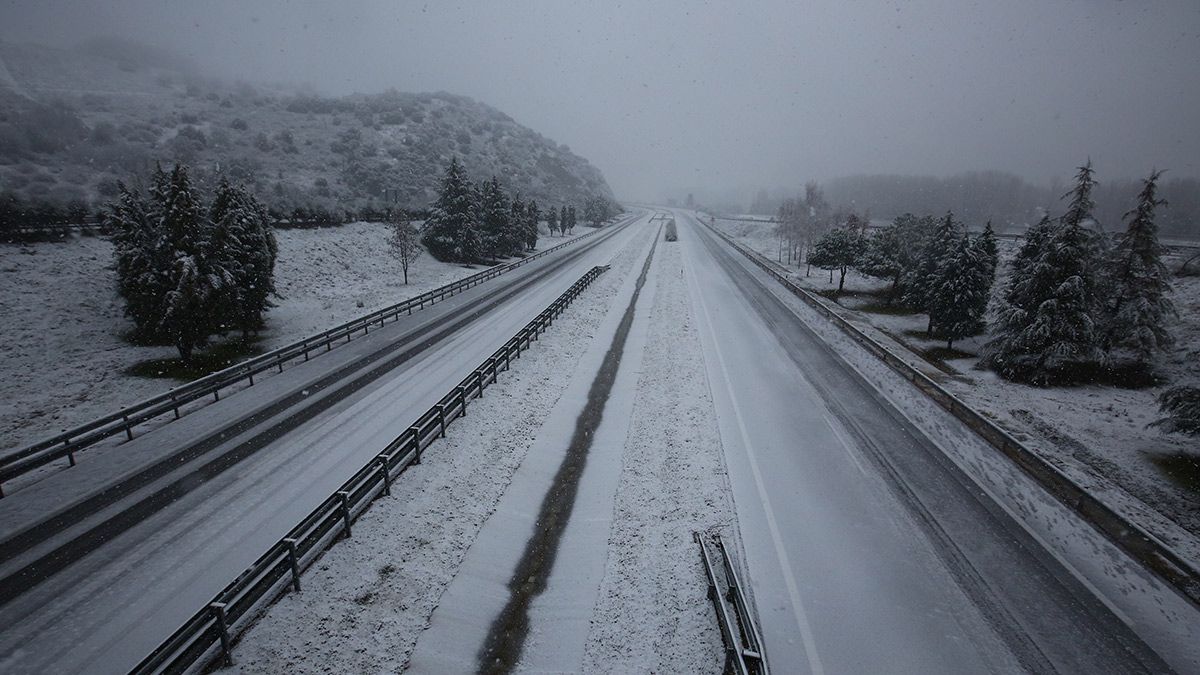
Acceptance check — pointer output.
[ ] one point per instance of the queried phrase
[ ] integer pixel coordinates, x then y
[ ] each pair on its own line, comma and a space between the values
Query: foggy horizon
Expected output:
726, 100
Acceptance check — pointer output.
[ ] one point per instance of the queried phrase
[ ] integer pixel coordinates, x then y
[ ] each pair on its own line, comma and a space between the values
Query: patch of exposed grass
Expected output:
210, 360
1181, 468
893, 309
943, 354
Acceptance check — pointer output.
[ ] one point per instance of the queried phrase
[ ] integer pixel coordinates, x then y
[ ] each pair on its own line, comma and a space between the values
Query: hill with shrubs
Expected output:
75, 121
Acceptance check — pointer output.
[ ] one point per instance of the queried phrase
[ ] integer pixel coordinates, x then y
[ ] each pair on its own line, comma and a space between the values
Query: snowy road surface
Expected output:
107, 611
866, 550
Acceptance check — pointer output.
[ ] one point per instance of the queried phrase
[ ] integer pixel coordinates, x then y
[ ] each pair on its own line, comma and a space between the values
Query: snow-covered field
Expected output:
1098, 430
65, 356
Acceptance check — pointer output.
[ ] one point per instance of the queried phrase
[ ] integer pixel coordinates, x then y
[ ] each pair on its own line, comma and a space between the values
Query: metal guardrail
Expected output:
1180, 573
743, 645
67, 443
210, 633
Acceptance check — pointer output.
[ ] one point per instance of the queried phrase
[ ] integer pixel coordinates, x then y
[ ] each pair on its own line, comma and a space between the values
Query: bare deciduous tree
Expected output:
405, 243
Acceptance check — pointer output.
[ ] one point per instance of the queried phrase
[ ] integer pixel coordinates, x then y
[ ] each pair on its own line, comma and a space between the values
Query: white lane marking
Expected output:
806, 634
836, 428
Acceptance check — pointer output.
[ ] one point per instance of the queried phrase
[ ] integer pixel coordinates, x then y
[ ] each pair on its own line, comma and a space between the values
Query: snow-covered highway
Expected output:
689, 392
868, 550
106, 611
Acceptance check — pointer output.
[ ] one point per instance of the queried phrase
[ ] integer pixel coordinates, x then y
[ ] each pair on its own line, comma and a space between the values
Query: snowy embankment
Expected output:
1096, 433
66, 359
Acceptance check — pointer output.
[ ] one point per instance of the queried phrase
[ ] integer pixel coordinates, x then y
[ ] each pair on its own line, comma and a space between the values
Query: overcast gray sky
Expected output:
666, 96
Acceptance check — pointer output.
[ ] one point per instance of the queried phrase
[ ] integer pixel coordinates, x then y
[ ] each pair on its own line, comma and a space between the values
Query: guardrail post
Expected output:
218, 610
294, 560
441, 420
217, 394
416, 435
128, 430
462, 396
344, 498
176, 406
479, 376
387, 477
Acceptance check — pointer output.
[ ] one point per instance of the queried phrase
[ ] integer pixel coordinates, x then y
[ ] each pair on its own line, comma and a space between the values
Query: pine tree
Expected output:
571, 218
1181, 409
563, 219
225, 256
552, 219
988, 248
959, 297
242, 245
1046, 330
451, 231
840, 249
533, 215
515, 236
495, 220
1138, 311
881, 258
922, 279
187, 315
140, 260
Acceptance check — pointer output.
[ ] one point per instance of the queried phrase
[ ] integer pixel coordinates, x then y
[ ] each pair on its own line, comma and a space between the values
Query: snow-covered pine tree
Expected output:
959, 297
533, 215
1138, 309
840, 249
225, 256
139, 260
451, 232
187, 317
1181, 409
243, 244
985, 243
881, 258
562, 220
923, 277
514, 236
1046, 329
571, 218
495, 219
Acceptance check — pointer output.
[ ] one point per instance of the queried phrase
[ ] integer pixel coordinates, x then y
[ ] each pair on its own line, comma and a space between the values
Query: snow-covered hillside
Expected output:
74, 121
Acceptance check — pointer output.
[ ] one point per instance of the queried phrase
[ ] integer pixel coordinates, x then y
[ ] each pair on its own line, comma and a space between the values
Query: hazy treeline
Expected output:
1010, 201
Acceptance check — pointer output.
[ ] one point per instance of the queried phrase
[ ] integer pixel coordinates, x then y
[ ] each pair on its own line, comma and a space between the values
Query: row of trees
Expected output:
1078, 301
473, 223
187, 271
934, 266
561, 221
1078, 304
